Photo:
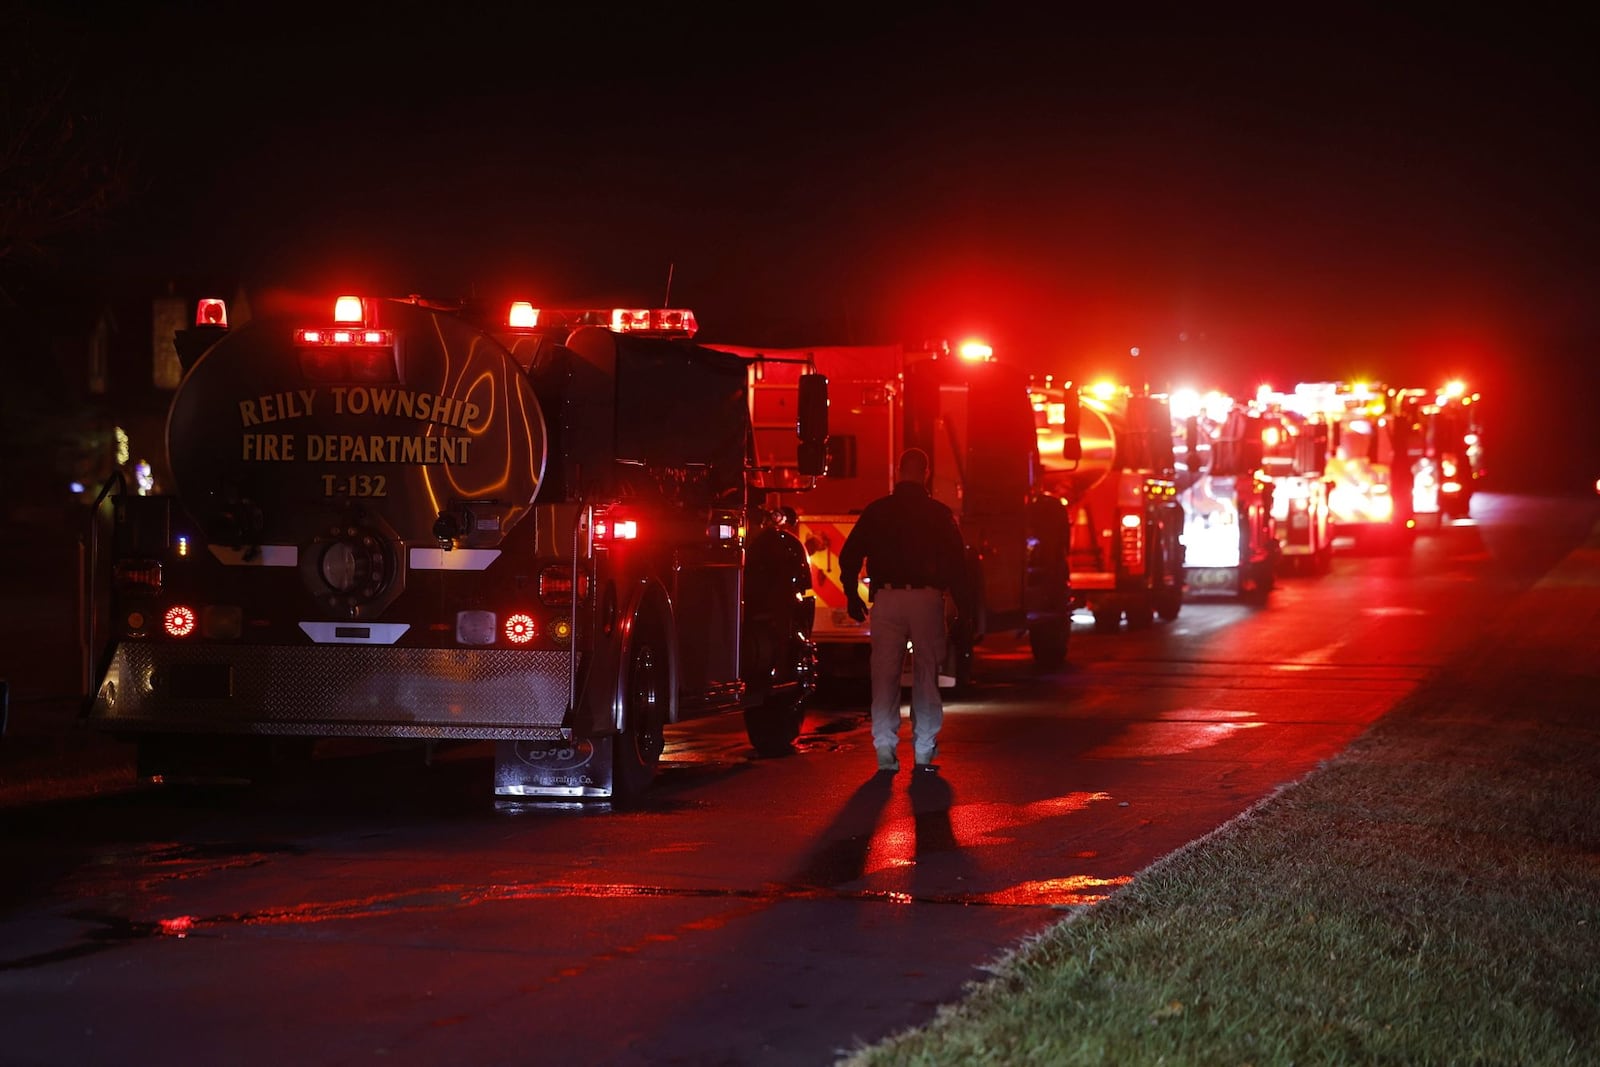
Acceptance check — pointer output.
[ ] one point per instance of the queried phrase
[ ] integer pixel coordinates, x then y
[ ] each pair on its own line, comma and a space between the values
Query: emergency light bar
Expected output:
522, 315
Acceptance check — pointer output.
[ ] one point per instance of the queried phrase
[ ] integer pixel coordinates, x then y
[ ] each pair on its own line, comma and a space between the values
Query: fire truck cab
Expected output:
438, 521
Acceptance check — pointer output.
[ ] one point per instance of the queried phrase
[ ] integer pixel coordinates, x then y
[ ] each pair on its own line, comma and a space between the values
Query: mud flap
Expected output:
573, 770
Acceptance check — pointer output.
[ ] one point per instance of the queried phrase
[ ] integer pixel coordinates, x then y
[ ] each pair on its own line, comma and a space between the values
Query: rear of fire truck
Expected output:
1369, 473
1230, 540
416, 520
1295, 453
1446, 449
969, 413
1107, 456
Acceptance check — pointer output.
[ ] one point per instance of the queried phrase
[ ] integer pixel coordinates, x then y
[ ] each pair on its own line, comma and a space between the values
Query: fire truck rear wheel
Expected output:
1107, 619
773, 727
1141, 614
1169, 602
638, 748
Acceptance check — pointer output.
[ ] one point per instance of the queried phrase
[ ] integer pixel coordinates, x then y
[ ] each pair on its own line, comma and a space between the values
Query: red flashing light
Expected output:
523, 316
349, 309
654, 320
211, 312
608, 529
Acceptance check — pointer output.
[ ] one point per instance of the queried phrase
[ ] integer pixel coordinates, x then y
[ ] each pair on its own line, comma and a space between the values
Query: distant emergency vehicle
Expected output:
1230, 539
1108, 457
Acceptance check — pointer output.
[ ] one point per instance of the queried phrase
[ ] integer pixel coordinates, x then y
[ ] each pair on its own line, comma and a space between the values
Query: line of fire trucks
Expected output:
1186, 494
564, 531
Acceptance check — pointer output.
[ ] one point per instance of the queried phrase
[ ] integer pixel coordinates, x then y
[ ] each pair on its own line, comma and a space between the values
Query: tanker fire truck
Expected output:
1230, 542
1370, 497
970, 414
1295, 454
407, 519
1107, 455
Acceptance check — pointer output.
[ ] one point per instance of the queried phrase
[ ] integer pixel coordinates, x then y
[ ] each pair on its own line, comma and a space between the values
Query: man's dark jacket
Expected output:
907, 538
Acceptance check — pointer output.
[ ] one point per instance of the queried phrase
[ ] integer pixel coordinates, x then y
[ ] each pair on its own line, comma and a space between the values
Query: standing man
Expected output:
914, 552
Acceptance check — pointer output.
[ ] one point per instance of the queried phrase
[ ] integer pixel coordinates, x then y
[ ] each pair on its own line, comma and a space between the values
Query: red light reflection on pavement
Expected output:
1177, 732
178, 926
1072, 891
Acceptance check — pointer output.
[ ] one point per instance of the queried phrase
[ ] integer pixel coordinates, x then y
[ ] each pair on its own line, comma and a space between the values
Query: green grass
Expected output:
1431, 896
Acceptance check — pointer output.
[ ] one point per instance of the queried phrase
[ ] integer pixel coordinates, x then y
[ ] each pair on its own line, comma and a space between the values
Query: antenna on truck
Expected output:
666, 301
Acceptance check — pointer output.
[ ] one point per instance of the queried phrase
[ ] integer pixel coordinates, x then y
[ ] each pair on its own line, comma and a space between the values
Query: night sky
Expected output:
1242, 197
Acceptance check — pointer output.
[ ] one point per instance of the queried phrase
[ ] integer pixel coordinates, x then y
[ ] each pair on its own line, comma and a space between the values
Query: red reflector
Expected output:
519, 629
178, 621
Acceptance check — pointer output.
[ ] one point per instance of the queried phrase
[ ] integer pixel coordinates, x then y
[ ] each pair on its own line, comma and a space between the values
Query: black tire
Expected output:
1168, 603
1048, 642
646, 698
1106, 620
773, 725
1141, 614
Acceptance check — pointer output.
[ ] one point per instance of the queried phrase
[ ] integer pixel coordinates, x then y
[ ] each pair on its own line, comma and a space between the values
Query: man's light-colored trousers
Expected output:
900, 616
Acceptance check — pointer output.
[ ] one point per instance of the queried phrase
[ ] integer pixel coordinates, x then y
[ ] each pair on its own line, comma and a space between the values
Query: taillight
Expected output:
137, 576
555, 585
519, 628
1130, 542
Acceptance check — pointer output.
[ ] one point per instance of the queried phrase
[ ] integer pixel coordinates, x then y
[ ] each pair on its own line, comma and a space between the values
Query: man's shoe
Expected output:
887, 760
925, 759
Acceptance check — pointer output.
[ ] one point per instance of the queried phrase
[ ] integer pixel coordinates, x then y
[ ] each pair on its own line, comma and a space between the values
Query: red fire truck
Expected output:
1230, 541
970, 413
413, 519
1107, 455
1369, 473
1295, 453
1445, 449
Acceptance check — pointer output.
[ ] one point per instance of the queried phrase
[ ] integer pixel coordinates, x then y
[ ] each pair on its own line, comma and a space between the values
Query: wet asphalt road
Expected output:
752, 911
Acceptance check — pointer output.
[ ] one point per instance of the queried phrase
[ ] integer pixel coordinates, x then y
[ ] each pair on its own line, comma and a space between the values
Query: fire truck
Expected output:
1295, 454
1445, 449
1107, 455
435, 520
1369, 473
1230, 540
970, 414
